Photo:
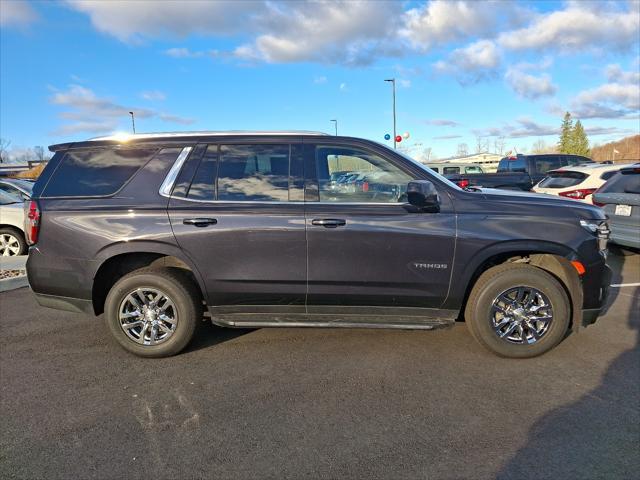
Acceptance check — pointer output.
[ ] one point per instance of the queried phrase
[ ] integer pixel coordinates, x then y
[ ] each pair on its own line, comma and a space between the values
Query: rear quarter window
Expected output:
619, 183
96, 172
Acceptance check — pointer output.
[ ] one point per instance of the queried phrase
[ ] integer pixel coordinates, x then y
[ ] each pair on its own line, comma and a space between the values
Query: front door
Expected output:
366, 245
240, 218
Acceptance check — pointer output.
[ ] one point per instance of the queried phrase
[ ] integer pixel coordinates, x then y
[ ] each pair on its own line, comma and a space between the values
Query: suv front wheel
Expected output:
518, 311
153, 312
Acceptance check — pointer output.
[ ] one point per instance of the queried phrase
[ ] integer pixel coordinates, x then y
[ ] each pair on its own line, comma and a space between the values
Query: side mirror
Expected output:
422, 194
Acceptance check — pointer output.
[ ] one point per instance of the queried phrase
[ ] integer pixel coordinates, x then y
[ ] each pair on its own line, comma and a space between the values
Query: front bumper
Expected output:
595, 297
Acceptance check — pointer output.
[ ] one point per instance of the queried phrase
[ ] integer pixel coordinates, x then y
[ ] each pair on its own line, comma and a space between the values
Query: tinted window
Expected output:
86, 173
619, 183
365, 177
608, 175
204, 181
546, 163
562, 179
450, 170
253, 172
473, 169
435, 169
517, 164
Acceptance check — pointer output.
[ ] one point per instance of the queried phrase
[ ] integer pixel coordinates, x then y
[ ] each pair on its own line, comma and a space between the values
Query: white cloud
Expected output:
522, 128
530, 86
16, 13
440, 22
442, 122
404, 83
87, 112
616, 74
181, 52
319, 79
153, 95
351, 32
343, 87
618, 99
138, 20
580, 26
477, 61
447, 137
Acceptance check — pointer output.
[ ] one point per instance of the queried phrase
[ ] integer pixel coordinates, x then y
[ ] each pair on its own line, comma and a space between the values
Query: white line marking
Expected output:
626, 285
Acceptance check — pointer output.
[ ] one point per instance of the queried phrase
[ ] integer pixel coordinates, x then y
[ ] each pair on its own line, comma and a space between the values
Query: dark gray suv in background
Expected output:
155, 230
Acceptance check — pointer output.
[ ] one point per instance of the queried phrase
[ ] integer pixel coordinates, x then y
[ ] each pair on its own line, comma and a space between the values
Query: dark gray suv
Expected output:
156, 230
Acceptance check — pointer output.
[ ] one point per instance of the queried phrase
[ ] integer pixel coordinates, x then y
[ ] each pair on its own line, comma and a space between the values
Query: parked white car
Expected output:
577, 182
12, 239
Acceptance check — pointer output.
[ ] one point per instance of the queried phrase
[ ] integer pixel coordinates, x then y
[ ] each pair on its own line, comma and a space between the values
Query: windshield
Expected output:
425, 168
6, 198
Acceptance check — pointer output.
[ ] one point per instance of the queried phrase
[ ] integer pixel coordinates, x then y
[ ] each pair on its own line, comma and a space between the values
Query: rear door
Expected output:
237, 210
368, 247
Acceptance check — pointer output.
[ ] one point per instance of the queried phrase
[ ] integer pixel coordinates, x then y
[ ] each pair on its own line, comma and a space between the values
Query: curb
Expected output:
8, 284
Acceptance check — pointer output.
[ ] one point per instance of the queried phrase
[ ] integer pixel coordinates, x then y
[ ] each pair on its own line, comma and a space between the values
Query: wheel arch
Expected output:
119, 260
552, 257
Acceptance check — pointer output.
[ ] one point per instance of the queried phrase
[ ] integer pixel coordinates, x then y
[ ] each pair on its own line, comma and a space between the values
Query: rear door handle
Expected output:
329, 222
200, 222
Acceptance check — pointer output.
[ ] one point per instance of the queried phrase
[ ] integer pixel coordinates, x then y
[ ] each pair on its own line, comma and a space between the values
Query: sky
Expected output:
466, 71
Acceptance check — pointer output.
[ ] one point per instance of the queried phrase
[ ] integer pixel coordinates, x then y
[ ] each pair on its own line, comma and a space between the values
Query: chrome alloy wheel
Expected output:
9, 245
521, 315
148, 316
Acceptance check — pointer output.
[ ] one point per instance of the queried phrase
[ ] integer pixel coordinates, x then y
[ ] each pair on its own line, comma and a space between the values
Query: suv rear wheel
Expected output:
153, 312
518, 311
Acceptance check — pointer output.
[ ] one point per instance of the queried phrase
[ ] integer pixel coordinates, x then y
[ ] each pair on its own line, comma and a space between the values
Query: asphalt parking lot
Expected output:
296, 403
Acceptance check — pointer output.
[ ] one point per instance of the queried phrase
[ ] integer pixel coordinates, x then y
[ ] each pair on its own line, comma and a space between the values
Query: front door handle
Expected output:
329, 222
200, 222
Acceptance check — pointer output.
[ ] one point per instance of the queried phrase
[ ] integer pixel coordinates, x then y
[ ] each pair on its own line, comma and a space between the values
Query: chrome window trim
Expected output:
170, 179
277, 202
231, 133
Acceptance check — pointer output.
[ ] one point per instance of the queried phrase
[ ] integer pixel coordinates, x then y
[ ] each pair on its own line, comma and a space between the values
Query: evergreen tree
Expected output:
566, 134
579, 141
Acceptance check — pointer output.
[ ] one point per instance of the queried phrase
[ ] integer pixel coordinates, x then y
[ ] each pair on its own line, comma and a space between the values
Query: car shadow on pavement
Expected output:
596, 436
210, 335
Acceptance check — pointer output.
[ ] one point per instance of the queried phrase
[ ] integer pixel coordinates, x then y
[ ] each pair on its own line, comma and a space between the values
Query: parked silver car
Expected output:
620, 198
13, 193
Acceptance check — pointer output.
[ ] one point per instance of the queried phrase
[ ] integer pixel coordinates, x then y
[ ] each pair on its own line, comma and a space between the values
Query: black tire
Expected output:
495, 281
18, 236
182, 292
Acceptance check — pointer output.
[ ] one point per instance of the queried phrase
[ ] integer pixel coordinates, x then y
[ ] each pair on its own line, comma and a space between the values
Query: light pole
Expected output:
335, 124
393, 83
133, 122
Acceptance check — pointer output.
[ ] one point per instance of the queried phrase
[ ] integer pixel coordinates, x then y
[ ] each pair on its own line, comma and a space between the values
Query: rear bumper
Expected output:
69, 304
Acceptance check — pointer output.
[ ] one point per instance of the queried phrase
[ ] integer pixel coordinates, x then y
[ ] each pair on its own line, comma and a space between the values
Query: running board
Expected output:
250, 320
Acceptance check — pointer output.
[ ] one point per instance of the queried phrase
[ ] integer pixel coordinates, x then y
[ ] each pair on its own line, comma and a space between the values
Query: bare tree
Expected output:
539, 146
463, 150
4, 148
498, 145
38, 151
426, 154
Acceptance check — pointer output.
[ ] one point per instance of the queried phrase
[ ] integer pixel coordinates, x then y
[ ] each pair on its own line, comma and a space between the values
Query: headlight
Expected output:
600, 229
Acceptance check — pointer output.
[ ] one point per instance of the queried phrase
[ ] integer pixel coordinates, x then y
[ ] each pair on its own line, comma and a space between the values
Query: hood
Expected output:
520, 200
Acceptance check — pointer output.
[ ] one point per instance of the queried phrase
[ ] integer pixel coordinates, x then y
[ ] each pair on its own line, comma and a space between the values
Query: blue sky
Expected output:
464, 70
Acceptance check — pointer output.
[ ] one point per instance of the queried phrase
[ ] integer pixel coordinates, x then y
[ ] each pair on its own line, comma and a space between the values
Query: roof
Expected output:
171, 136
590, 167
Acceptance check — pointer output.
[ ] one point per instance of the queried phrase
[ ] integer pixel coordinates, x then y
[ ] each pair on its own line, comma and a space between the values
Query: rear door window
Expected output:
253, 173
96, 172
450, 170
543, 164
473, 169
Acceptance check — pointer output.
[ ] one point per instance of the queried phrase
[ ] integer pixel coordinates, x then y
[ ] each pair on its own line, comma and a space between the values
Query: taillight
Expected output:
32, 222
464, 183
580, 194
